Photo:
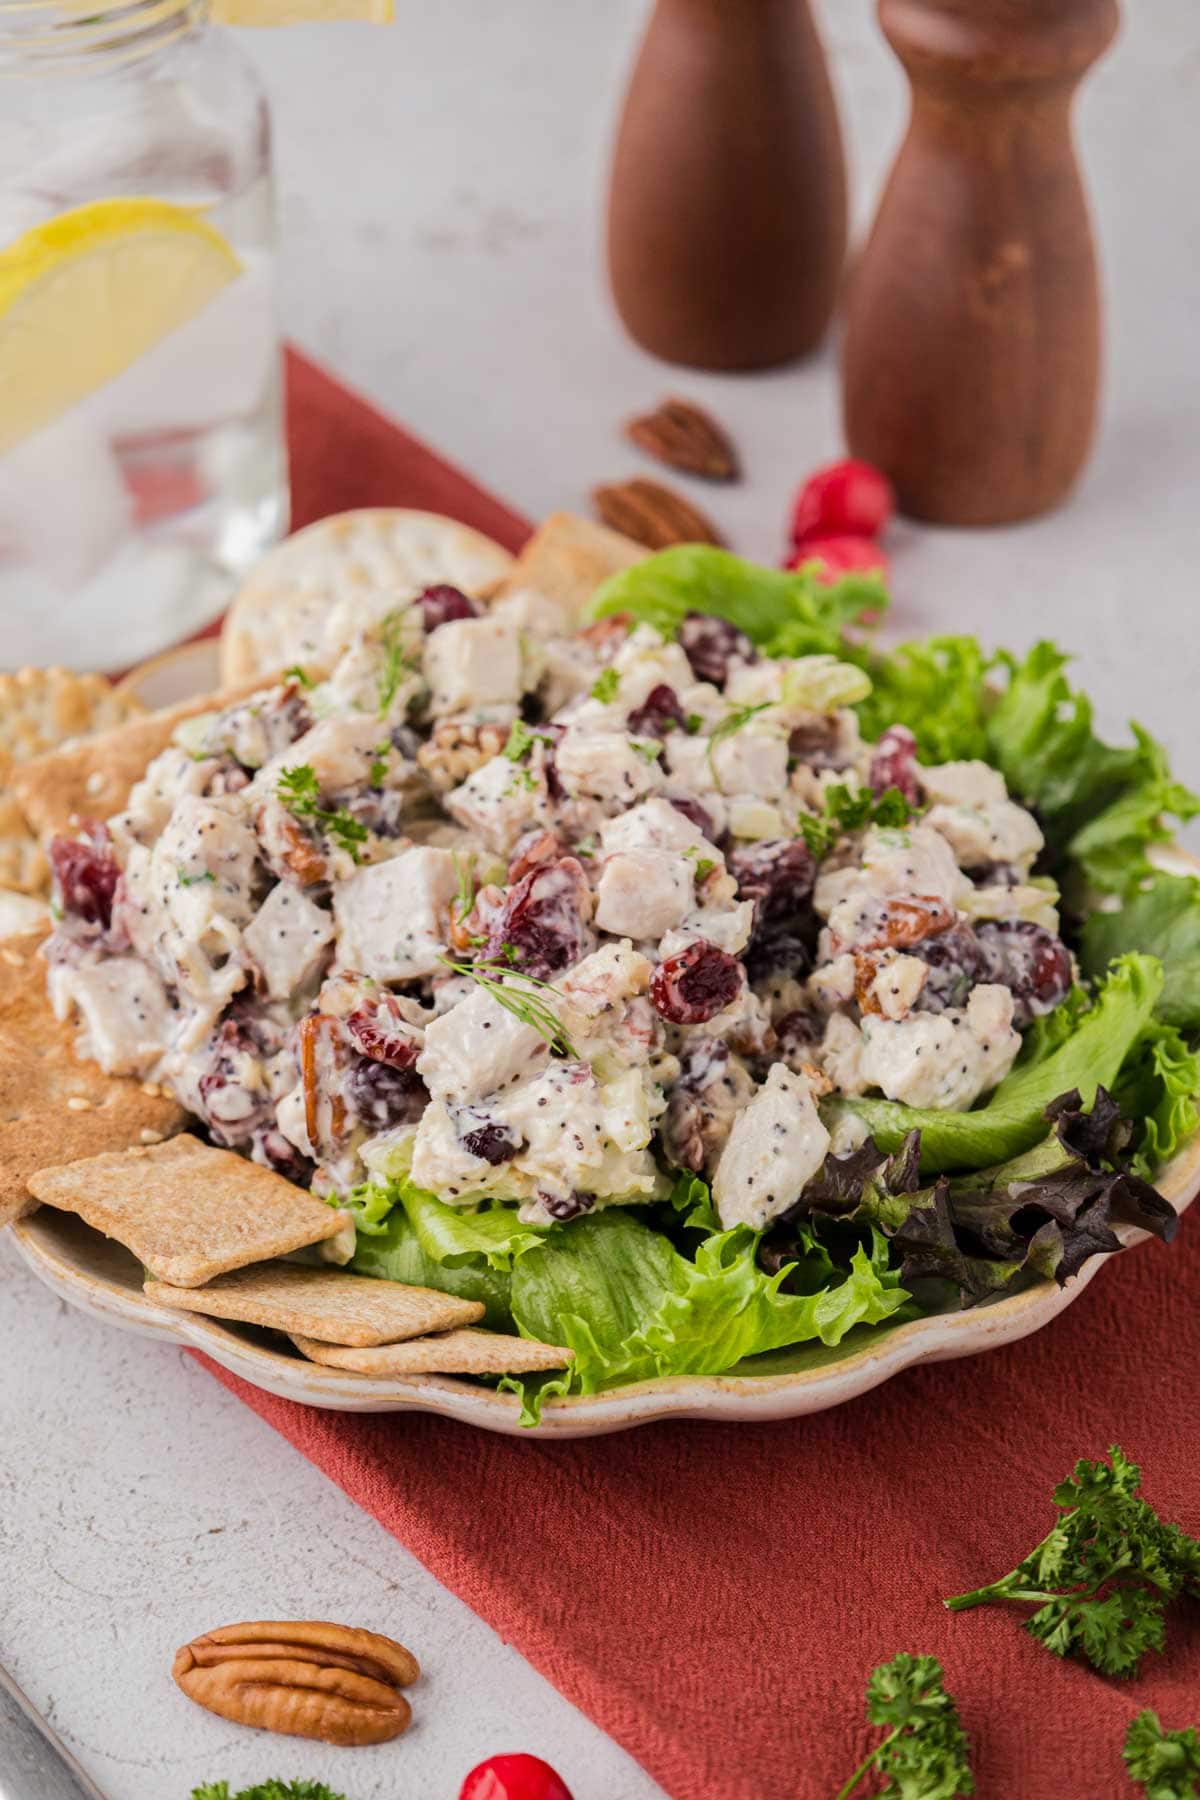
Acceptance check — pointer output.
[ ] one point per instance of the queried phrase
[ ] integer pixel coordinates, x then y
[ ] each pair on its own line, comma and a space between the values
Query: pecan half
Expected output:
653, 515
306, 1679
322, 1064
683, 436
908, 918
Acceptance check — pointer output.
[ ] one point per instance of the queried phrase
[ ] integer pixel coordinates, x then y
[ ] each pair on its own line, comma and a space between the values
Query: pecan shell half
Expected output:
653, 515
306, 1679
685, 437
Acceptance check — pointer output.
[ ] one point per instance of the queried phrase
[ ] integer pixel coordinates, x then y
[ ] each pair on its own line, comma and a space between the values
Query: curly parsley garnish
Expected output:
267, 1790
649, 749
606, 686
524, 1003
379, 758
1166, 1763
301, 793
1102, 1577
733, 722
926, 1751
298, 675
849, 809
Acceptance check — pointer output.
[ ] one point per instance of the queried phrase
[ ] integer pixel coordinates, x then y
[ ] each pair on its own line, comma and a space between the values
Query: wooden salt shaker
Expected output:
972, 350
727, 208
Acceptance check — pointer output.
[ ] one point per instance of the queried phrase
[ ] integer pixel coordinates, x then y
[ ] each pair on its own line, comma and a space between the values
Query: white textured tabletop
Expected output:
440, 209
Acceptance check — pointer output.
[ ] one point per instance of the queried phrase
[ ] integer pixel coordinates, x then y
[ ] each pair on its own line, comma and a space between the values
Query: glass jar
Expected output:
142, 466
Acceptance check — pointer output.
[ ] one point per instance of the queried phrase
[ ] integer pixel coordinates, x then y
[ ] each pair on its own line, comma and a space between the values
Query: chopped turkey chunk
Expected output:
608, 766
123, 1007
393, 917
473, 662
643, 893
476, 1048
943, 1060
287, 939
776, 1145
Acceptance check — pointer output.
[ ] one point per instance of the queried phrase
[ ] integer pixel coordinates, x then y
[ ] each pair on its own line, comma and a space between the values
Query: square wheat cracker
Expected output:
451, 1353
328, 1304
186, 1211
53, 1107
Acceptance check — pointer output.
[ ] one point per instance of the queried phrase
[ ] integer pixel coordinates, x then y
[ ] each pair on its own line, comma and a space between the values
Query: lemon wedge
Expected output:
301, 12
88, 292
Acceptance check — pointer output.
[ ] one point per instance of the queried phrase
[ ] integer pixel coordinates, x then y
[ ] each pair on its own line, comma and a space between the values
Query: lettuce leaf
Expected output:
937, 687
1163, 918
632, 1307
1013, 1119
1158, 1086
464, 1253
789, 612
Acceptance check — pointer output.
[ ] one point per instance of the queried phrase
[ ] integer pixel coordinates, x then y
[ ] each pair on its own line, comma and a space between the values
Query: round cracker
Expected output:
41, 708
282, 613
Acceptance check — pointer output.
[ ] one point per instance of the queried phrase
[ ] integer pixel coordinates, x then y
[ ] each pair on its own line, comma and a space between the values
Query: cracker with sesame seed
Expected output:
93, 778
53, 1107
330, 1305
566, 559
303, 601
187, 1212
449, 1353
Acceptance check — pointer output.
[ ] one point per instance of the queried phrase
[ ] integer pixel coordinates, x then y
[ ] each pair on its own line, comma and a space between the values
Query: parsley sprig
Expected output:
926, 1751
1102, 1577
606, 685
848, 809
523, 1002
1166, 1763
300, 792
267, 1790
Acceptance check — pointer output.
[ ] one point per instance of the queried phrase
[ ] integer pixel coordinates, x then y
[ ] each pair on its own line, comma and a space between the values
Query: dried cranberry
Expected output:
382, 1095
955, 962
847, 496
442, 604
274, 1151
381, 1032
777, 953
566, 1206
691, 988
86, 874
1028, 960
817, 744
492, 1142
660, 712
838, 556
776, 873
712, 646
540, 928
894, 763
692, 809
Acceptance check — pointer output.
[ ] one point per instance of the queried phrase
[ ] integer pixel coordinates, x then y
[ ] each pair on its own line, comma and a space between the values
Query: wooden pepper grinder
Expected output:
972, 350
727, 207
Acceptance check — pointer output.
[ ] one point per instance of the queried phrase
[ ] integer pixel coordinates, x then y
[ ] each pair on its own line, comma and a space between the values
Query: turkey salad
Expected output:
526, 918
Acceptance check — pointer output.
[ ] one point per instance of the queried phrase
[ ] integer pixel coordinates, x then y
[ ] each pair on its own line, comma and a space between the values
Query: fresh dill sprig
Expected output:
186, 880
725, 728
464, 899
524, 1003
300, 792
396, 664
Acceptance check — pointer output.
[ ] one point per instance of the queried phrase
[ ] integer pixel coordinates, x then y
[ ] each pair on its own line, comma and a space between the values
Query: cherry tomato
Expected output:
517, 1777
840, 556
845, 499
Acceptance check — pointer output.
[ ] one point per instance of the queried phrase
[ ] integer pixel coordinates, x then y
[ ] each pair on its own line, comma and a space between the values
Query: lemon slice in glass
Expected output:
88, 292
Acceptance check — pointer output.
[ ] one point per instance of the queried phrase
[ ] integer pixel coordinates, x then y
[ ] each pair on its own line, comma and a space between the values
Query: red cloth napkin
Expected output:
715, 1595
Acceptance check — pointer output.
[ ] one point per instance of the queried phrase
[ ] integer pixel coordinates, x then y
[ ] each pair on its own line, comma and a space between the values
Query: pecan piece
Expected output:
322, 1065
305, 1679
685, 437
653, 515
907, 919
457, 747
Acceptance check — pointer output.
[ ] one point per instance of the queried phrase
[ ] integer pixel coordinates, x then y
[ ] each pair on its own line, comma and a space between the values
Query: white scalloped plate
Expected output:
97, 1275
